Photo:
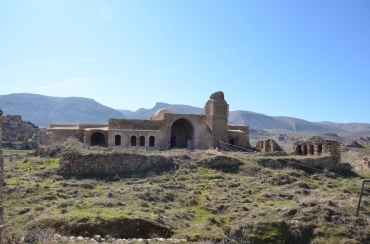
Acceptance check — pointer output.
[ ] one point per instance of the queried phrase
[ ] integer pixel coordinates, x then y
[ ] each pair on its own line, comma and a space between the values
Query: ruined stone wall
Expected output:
57, 125
1, 180
268, 145
307, 164
60, 135
238, 138
113, 163
242, 136
318, 147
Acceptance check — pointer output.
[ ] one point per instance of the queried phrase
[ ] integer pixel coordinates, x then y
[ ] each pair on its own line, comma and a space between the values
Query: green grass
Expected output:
195, 202
7, 152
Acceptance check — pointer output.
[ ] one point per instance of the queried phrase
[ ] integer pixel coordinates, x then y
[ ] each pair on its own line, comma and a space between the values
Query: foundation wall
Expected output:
114, 163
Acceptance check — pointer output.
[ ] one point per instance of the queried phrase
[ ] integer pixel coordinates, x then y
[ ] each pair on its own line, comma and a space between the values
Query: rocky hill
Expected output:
353, 127
43, 110
19, 134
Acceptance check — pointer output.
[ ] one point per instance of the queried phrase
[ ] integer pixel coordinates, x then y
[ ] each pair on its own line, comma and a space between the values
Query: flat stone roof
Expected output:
98, 128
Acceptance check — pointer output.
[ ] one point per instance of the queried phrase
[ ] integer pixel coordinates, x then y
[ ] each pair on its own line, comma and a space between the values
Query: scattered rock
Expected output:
291, 212
97, 238
354, 144
29, 238
23, 211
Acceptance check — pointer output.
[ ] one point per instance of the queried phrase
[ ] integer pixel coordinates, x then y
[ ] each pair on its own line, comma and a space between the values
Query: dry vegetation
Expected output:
253, 205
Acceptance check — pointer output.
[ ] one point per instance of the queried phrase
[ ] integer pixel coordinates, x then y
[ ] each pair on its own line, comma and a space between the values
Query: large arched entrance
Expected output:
98, 139
182, 134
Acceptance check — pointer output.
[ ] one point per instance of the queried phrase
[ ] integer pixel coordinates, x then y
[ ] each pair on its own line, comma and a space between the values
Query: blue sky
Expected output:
304, 59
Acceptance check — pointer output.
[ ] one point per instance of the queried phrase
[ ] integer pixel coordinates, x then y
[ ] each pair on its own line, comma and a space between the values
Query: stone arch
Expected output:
298, 150
182, 134
98, 139
142, 141
117, 140
133, 141
151, 141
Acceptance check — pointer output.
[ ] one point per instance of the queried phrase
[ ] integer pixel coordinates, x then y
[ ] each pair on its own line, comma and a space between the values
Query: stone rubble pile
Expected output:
108, 239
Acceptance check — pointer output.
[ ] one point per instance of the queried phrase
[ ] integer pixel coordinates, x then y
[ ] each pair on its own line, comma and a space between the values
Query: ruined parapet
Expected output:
268, 145
329, 148
1, 180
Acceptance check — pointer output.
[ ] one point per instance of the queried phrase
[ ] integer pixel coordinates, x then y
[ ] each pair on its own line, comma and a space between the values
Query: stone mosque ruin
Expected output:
163, 131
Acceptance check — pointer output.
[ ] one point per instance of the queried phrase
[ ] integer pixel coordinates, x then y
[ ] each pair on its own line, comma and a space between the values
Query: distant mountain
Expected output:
352, 127
254, 120
144, 113
43, 110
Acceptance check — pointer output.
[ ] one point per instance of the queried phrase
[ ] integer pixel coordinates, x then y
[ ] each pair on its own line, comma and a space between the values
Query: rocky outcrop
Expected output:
354, 144
19, 134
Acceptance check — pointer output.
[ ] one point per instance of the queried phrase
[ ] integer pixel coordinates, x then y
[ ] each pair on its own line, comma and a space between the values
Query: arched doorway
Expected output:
98, 139
117, 140
182, 134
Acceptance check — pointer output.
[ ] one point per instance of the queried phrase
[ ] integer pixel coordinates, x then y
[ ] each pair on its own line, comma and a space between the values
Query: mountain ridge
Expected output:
43, 110
253, 119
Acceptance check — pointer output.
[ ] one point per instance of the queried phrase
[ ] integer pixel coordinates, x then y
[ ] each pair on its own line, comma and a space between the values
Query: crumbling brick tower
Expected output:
217, 113
1, 179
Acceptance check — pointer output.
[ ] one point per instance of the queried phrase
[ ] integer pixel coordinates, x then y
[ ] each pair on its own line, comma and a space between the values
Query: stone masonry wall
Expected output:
307, 164
113, 163
1, 180
317, 148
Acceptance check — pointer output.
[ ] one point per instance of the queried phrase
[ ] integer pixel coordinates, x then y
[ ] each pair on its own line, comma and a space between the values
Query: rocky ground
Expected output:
197, 202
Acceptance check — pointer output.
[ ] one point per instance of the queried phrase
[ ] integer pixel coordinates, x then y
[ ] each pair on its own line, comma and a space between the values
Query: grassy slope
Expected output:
257, 204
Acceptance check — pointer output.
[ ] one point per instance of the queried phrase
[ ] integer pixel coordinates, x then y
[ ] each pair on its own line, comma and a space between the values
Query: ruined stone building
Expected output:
268, 145
317, 148
163, 131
